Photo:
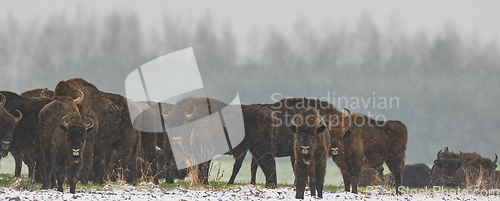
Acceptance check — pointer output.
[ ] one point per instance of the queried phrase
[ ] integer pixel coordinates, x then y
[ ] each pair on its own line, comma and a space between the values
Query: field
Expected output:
22, 189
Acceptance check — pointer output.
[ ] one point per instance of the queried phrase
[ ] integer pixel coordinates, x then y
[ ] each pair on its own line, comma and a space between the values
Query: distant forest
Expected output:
447, 84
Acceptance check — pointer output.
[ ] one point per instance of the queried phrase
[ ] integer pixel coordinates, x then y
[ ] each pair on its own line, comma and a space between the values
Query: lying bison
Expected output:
63, 133
366, 142
7, 125
41, 93
311, 144
414, 176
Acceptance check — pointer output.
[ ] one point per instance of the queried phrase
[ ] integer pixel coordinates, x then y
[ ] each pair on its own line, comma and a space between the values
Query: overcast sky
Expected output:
425, 15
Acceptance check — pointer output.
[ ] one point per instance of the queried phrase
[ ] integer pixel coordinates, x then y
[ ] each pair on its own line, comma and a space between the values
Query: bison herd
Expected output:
79, 133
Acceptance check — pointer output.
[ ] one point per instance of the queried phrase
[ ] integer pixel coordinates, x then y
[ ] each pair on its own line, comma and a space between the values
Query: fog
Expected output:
444, 79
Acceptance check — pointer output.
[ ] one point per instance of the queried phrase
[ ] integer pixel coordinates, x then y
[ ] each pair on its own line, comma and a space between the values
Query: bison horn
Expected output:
446, 150
90, 125
293, 120
438, 156
193, 114
496, 159
42, 93
80, 98
4, 99
461, 157
64, 123
348, 111
19, 117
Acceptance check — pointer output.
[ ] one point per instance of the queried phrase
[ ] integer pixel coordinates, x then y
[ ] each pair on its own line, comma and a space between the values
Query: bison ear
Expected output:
321, 129
294, 128
436, 162
63, 128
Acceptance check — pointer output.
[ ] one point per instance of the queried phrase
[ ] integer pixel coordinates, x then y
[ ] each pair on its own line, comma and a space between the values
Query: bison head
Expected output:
307, 125
179, 117
339, 127
76, 131
7, 125
444, 170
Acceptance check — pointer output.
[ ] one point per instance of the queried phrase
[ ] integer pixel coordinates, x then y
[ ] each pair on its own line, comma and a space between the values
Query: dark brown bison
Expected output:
257, 135
63, 133
468, 159
26, 139
369, 177
41, 93
414, 176
489, 165
113, 129
7, 125
444, 169
311, 147
283, 135
366, 142
145, 120
472, 164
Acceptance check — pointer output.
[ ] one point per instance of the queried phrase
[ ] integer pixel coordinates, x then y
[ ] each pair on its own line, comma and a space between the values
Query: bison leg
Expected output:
18, 159
347, 182
73, 177
47, 183
300, 171
320, 179
238, 160
148, 145
253, 170
203, 170
60, 180
268, 166
397, 167
312, 181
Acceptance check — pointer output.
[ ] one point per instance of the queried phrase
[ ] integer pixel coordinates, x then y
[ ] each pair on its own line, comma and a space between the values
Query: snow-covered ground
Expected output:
249, 192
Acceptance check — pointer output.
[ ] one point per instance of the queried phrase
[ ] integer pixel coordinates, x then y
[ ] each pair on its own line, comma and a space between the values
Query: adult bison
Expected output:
453, 172
7, 125
41, 93
257, 138
283, 136
311, 147
414, 176
25, 141
112, 130
63, 134
366, 142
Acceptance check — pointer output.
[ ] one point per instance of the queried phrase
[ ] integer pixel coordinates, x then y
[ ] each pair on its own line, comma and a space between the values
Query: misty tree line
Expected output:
446, 83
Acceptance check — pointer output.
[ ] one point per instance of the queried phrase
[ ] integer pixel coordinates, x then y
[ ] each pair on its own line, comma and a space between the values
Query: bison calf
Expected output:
63, 134
311, 144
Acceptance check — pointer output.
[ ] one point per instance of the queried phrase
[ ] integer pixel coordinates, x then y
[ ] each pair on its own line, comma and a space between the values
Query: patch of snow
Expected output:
122, 191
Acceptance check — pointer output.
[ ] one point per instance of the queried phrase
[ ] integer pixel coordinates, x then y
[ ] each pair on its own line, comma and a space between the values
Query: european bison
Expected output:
414, 176
7, 125
257, 138
366, 142
311, 145
26, 139
444, 169
283, 135
41, 93
112, 130
63, 134
369, 177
